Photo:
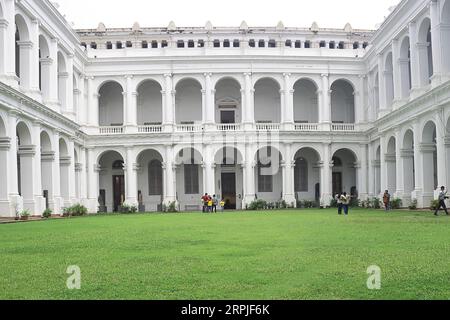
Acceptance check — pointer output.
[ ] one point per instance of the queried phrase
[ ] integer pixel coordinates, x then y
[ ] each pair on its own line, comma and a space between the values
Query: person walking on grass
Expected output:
339, 203
205, 199
222, 205
215, 203
210, 205
387, 200
442, 197
345, 199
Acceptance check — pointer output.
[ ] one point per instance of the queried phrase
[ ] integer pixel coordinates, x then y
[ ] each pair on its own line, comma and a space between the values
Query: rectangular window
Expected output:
251, 43
298, 44
119, 45
144, 45
109, 45
236, 44
191, 44
288, 43
155, 178
307, 44
154, 44
164, 44
180, 44
93, 45
226, 43
191, 181
323, 44
216, 44
265, 182
129, 44
201, 43
332, 45
272, 44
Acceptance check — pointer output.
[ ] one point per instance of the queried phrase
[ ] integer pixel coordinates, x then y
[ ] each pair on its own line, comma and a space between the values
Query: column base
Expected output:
325, 200
131, 129
91, 204
248, 199
56, 205
290, 200
168, 127
249, 126
288, 126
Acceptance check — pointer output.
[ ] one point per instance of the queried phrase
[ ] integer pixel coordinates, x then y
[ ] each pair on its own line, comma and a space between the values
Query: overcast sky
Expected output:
365, 14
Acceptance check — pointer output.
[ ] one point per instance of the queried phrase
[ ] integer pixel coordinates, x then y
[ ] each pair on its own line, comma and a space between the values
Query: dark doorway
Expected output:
227, 117
118, 191
229, 190
337, 183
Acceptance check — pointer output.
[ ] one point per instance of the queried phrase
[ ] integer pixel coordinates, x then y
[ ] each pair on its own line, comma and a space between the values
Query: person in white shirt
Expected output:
442, 197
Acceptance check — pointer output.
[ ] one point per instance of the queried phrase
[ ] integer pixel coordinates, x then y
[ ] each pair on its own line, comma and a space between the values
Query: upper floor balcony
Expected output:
218, 103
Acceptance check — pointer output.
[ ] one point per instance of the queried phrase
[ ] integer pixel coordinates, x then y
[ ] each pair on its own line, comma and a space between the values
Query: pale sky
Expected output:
362, 14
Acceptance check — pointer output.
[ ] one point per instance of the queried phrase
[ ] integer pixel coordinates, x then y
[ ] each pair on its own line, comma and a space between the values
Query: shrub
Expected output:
396, 203
434, 204
76, 210
375, 203
354, 203
333, 203
413, 205
25, 213
258, 205
172, 207
47, 213
127, 208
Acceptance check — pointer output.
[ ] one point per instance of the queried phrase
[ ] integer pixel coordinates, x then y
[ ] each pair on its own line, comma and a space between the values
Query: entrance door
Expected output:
337, 183
229, 190
118, 191
227, 117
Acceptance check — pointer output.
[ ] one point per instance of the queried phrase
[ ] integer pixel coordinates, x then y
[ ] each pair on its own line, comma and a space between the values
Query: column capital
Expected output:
208, 74
168, 75
287, 75
324, 75
247, 74
128, 77
3, 23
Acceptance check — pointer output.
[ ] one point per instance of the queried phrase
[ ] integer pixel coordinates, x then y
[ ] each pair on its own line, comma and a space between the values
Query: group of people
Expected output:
210, 204
343, 202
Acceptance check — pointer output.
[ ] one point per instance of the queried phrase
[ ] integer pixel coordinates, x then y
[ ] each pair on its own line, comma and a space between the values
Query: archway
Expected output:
150, 181
25, 173
111, 104
425, 53
188, 102
307, 175
267, 101
342, 102
149, 103
268, 174
189, 177
229, 177
306, 105
407, 156
344, 172
111, 181
64, 167
228, 102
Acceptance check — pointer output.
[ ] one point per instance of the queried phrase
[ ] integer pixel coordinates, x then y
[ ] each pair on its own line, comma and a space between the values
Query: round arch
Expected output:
46, 142
111, 181
188, 101
306, 101
344, 172
342, 101
149, 103
228, 101
267, 100
111, 104
405, 67
389, 79
24, 133
307, 174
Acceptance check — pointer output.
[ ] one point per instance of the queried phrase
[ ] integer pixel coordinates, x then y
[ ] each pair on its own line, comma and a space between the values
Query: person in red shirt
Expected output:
205, 200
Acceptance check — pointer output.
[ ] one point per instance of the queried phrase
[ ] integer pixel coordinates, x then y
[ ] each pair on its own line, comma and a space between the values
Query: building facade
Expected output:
152, 116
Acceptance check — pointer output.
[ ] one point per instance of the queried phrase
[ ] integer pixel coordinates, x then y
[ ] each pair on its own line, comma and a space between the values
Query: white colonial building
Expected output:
150, 116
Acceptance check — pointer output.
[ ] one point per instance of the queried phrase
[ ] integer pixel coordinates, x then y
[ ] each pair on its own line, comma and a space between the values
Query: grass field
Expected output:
309, 254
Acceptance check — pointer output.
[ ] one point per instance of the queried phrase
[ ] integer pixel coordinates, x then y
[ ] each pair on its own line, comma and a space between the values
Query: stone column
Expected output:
436, 42
35, 91
92, 104
37, 179
131, 177
382, 86
130, 106
69, 87
8, 29
383, 165
72, 180
93, 181
248, 110
360, 105
26, 73
249, 173
209, 105
415, 67
5, 146
418, 188
83, 194
169, 104
443, 167
53, 101
325, 108
288, 117
397, 74
288, 176
169, 181
371, 171
326, 175
400, 192
362, 173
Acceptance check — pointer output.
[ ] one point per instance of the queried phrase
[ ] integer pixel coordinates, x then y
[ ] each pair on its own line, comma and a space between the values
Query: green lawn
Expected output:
309, 254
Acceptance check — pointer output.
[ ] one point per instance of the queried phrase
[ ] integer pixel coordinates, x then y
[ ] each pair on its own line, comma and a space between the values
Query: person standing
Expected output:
339, 203
222, 205
442, 197
345, 199
210, 204
387, 200
214, 205
205, 199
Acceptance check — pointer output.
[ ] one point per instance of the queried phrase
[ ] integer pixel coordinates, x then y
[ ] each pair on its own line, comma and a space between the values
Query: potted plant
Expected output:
25, 215
47, 213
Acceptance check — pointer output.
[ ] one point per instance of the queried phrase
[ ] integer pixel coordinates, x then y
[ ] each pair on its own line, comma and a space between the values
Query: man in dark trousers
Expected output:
442, 198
